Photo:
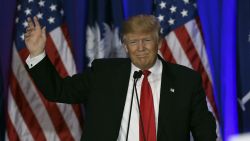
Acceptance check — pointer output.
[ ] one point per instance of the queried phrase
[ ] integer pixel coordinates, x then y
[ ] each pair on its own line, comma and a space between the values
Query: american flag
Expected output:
29, 115
183, 42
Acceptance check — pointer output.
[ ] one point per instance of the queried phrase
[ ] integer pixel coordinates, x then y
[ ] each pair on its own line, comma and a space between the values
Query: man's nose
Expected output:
141, 44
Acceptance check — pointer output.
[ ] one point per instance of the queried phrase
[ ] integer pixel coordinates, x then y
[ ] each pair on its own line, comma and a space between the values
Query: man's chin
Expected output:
143, 65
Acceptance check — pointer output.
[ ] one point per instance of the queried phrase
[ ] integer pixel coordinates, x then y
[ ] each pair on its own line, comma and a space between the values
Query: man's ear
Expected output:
160, 42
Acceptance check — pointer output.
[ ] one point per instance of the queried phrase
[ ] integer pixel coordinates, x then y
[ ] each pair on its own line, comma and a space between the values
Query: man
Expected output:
171, 98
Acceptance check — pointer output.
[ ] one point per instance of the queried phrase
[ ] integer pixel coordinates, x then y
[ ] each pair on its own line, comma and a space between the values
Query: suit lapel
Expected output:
120, 81
166, 101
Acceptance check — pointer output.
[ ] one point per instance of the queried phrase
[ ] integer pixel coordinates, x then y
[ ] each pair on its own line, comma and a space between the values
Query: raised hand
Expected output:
35, 37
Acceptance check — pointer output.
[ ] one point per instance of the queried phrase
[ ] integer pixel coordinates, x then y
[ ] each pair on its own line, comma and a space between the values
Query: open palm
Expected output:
35, 37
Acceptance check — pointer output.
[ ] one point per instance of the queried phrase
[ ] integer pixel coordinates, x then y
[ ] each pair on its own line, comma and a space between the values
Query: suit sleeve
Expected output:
203, 125
65, 90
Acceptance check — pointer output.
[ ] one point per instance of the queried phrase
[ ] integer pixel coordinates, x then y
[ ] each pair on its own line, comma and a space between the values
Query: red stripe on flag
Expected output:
166, 53
65, 32
57, 62
24, 108
78, 111
11, 131
189, 48
198, 23
54, 57
23, 53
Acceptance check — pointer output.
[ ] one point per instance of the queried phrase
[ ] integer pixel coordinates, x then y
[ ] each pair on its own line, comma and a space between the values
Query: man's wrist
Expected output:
32, 61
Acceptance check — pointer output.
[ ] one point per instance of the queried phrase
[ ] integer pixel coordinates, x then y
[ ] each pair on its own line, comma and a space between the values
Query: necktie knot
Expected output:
146, 73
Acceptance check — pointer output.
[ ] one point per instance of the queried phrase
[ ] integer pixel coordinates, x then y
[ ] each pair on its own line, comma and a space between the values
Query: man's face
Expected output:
142, 49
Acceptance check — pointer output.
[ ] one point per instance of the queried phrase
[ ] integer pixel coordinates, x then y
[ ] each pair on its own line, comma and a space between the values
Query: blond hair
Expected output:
141, 24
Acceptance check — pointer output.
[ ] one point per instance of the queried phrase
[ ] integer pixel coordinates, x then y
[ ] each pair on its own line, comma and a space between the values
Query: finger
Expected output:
26, 37
44, 31
27, 34
30, 23
37, 24
28, 29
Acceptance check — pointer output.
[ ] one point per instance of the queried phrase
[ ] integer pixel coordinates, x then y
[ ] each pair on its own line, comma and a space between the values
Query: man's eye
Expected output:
148, 40
132, 42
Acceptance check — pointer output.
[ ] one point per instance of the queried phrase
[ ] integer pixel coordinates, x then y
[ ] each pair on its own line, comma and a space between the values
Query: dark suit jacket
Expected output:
103, 90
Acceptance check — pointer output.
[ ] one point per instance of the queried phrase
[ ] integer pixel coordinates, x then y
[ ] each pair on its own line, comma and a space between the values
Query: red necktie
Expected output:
147, 110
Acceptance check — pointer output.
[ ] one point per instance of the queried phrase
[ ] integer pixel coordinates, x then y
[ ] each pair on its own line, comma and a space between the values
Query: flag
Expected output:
29, 115
243, 67
104, 19
183, 42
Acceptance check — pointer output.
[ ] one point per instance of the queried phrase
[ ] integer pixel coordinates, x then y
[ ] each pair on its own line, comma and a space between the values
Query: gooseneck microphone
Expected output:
136, 76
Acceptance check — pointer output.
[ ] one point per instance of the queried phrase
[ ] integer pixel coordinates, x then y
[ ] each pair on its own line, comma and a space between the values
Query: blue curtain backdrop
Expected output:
7, 13
219, 23
218, 20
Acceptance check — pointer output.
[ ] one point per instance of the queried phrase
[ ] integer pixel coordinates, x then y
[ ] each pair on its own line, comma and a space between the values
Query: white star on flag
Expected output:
22, 36
18, 7
160, 18
173, 9
184, 13
17, 20
171, 21
25, 24
53, 7
163, 5
51, 20
27, 11
39, 15
186, 1
195, 5
62, 12
41, 3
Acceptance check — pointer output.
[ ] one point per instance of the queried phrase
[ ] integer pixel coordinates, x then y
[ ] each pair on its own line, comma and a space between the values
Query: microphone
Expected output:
136, 76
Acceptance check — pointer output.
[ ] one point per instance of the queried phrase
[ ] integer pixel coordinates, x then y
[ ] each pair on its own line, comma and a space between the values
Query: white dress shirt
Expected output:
155, 82
31, 62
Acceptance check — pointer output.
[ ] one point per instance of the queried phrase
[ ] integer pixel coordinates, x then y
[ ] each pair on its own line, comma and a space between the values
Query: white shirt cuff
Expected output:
31, 62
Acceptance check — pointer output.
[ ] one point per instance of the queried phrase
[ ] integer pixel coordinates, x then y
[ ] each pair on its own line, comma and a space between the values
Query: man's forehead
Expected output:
138, 35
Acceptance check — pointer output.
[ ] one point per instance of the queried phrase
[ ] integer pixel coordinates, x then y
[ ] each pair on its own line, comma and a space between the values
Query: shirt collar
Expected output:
155, 69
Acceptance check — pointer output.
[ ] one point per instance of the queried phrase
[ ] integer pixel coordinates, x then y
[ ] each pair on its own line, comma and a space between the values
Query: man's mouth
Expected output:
143, 55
